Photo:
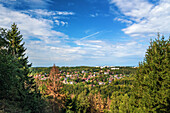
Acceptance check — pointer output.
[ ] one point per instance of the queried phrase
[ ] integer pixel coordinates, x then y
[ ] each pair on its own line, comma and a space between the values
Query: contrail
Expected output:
90, 35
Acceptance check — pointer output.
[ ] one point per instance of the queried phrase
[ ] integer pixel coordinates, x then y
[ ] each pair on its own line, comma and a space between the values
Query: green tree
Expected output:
82, 102
17, 88
70, 104
151, 87
62, 79
3, 34
15, 45
116, 99
8, 83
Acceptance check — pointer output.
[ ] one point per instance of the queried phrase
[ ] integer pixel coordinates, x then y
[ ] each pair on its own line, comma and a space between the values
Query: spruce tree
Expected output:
17, 49
9, 72
151, 87
17, 86
53, 87
2, 38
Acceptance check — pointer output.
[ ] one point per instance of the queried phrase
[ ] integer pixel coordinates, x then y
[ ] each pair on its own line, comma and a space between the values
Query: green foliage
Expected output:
121, 103
83, 103
40, 70
9, 81
18, 91
151, 89
62, 79
3, 41
70, 104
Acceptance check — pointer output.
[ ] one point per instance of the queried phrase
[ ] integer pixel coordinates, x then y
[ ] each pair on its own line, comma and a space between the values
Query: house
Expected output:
64, 81
83, 71
71, 82
110, 80
114, 68
106, 73
68, 75
101, 83
45, 78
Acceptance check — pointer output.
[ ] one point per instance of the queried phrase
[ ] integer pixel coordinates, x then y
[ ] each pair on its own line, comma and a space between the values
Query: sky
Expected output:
86, 32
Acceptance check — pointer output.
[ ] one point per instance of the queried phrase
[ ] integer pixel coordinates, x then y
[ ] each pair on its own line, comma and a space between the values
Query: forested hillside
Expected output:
26, 89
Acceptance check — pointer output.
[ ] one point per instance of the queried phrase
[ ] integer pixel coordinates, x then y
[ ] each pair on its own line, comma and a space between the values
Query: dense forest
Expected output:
26, 89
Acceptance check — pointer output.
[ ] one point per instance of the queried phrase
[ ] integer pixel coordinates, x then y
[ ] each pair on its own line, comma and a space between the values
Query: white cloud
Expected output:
41, 13
29, 26
86, 52
60, 17
51, 46
57, 22
136, 9
148, 18
64, 13
123, 20
94, 15
44, 12
27, 3
63, 23
94, 41
98, 47
57, 53
90, 44
32, 27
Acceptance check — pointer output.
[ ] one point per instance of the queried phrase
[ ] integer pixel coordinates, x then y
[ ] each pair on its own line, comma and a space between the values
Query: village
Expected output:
104, 75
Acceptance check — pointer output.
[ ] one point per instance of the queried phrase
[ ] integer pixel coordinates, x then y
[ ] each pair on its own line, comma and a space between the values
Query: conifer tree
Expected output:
53, 87
151, 87
2, 38
17, 49
19, 88
8, 82
116, 99
70, 104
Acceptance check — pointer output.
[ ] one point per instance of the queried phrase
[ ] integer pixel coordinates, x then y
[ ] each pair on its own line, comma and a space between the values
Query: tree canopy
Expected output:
17, 89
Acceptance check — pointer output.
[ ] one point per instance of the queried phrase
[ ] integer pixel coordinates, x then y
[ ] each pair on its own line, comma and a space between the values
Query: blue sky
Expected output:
86, 32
